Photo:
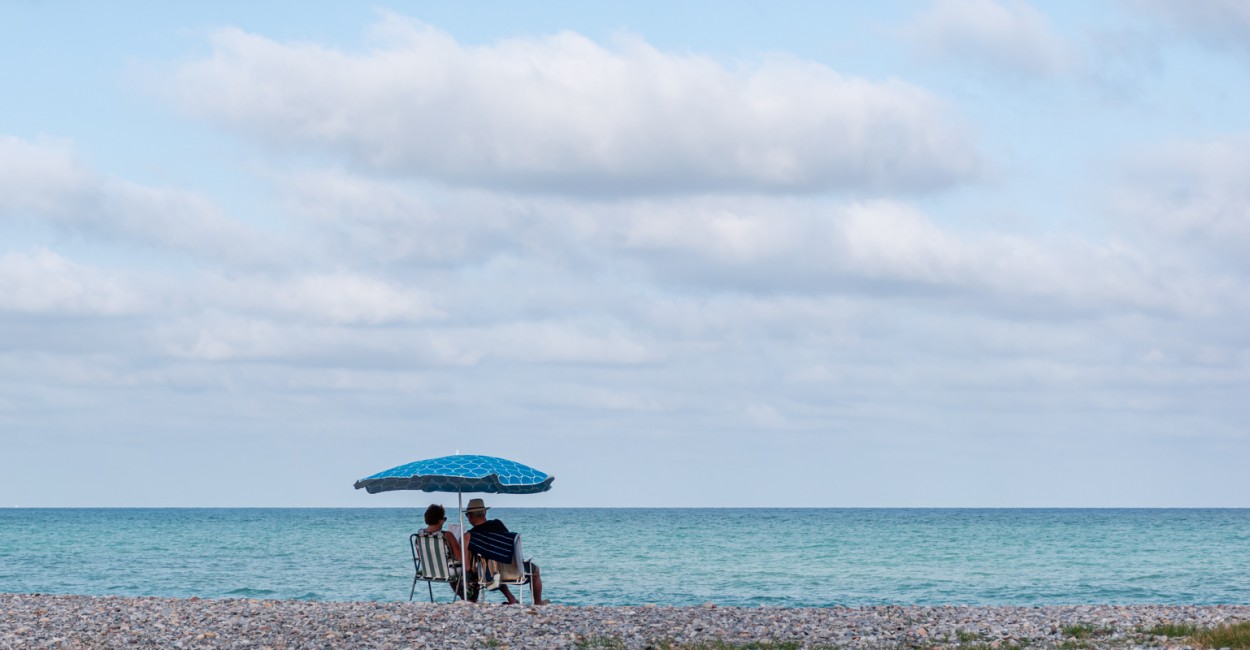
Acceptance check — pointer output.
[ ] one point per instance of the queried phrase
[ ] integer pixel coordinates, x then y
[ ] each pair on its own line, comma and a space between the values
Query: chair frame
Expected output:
515, 573
427, 569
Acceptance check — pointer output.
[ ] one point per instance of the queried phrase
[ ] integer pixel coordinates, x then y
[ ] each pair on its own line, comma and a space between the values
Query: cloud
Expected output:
340, 298
314, 317
564, 342
42, 282
1219, 23
882, 249
764, 245
1005, 37
45, 180
568, 115
387, 222
221, 337
1195, 193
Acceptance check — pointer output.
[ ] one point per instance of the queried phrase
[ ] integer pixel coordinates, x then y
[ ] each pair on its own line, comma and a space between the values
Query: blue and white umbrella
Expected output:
460, 473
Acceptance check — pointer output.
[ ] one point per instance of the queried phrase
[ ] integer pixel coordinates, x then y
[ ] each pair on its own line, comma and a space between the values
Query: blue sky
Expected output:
948, 253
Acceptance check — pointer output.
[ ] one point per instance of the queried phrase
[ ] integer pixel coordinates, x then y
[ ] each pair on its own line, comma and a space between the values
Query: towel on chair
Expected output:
500, 547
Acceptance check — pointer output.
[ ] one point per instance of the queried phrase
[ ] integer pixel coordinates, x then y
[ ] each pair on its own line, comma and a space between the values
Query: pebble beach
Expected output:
64, 621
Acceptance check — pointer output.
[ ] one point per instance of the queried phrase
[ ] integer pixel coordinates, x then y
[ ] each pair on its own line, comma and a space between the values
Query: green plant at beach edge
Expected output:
968, 636
1083, 630
970, 640
1233, 635
1173, 630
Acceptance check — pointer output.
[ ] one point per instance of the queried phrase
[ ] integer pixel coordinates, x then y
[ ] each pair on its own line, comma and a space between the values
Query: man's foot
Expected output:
543, 602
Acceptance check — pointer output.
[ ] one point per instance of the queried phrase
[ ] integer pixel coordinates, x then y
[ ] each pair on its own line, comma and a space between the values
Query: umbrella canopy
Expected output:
460, 473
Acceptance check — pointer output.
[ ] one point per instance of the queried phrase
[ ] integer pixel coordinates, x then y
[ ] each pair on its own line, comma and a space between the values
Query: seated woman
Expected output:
435, 517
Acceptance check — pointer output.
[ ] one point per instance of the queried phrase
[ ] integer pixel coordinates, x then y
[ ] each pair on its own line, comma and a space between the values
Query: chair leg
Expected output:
414, 589
431, 586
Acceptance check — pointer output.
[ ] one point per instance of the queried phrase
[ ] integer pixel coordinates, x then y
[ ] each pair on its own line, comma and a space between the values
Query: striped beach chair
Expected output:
499, 561
430, 560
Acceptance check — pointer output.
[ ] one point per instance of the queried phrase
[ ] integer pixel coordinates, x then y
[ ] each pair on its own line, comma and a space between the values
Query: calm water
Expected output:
633, 556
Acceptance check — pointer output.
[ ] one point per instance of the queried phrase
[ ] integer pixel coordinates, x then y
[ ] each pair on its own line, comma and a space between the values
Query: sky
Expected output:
949, 253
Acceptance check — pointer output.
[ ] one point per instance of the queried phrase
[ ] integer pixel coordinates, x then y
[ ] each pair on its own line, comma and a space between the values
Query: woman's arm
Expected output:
452, 544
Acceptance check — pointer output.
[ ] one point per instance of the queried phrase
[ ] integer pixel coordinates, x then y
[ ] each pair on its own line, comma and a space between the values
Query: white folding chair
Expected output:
492, 573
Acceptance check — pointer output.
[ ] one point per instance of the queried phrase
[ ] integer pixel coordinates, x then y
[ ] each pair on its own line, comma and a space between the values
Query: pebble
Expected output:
112, 621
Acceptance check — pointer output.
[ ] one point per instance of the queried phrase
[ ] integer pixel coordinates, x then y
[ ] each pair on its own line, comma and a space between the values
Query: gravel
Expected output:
60, 621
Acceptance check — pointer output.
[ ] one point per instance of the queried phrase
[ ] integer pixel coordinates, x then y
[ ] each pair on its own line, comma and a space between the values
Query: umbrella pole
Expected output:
464, 559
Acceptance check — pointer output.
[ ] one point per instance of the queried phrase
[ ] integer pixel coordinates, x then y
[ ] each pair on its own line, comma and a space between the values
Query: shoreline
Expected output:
40, 620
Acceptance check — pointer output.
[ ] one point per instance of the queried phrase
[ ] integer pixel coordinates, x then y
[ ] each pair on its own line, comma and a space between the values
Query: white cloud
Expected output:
42, 282
44, 180
1194, 193
884, 249
566, 114
895, 242
563, 342
763, 245
283, 340
1215, 22
389, 222
339, 298
1009, 36
219, 336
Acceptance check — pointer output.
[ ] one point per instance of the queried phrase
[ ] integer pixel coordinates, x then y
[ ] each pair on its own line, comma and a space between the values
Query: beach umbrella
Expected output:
460, 473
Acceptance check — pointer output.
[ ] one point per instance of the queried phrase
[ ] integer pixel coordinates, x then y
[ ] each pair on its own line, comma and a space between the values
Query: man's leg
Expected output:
536, 584
508, 593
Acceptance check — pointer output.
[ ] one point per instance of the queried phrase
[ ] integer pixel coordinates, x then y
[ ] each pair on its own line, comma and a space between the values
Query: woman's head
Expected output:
435, 514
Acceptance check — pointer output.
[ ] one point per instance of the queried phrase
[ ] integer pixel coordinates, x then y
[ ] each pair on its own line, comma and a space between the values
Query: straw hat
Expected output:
476, 505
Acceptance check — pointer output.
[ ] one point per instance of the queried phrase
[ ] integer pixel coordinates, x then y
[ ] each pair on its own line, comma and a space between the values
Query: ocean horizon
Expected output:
790, 557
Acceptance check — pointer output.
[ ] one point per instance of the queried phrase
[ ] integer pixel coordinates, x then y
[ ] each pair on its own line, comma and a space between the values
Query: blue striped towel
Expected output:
500, 547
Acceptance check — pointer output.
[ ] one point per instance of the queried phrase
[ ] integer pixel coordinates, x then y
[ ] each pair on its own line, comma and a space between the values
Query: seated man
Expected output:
476, 514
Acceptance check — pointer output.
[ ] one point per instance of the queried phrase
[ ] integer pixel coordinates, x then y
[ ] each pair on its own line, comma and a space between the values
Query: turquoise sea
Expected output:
749, 557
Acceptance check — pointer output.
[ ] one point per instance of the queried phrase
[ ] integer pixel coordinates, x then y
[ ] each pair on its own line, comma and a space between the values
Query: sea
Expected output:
731, 557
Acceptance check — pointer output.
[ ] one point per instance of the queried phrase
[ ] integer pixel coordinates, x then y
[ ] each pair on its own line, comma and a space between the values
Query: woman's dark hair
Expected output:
434, 514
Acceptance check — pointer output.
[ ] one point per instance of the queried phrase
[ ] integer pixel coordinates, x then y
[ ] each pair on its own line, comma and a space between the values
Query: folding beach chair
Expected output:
429, 559
499, 562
